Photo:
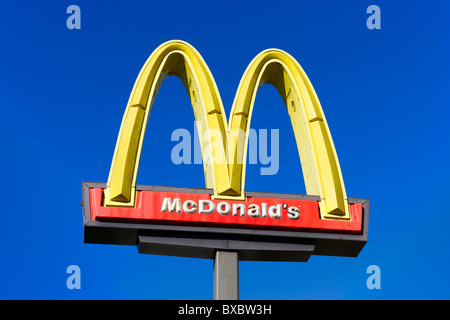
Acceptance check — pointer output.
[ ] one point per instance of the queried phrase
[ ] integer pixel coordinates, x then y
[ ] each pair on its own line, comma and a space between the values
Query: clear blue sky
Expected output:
63, 92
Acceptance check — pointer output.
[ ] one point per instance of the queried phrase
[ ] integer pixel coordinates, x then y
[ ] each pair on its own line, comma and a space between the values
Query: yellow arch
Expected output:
182, 60
226, 173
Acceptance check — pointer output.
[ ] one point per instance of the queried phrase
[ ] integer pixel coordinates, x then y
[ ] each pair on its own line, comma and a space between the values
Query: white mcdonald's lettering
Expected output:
224, 208
171, 206
189, 206
202, 209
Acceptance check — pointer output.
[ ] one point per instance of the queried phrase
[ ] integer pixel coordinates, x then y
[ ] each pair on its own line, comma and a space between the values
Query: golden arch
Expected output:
226, 172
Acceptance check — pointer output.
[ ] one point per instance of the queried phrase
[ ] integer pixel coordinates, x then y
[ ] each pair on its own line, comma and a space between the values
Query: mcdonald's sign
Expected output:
196, 222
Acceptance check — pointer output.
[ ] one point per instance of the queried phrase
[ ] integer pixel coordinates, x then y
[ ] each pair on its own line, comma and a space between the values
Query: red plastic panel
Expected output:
261, 213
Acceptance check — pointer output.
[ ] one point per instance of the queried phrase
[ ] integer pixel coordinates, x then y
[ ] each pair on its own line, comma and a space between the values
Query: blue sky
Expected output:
63, 92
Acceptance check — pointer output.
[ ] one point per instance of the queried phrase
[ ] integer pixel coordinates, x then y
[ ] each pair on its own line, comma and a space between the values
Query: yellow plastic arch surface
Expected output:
224, 145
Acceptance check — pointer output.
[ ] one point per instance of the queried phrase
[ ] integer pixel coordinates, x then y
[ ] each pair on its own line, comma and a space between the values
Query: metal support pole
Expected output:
226, 275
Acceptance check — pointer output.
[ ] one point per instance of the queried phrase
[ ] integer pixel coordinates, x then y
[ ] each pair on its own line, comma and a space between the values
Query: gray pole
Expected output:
226, 275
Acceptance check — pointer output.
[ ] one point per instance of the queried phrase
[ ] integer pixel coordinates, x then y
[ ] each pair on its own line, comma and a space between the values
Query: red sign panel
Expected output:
162, 207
